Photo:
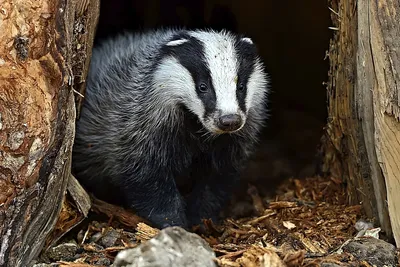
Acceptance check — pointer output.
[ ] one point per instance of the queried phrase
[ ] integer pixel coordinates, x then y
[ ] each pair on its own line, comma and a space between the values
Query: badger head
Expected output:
216, 75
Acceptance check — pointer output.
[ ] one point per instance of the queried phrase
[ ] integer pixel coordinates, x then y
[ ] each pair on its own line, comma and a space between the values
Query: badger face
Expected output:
216, 75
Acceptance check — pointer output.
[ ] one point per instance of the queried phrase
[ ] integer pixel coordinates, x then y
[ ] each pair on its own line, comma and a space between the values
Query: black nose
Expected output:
230, 122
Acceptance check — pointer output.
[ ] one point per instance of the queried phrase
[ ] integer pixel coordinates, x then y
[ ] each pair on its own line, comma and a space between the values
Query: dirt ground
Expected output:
304, 224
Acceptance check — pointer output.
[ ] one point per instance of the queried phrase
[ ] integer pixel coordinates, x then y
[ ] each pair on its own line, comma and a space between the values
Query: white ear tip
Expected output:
247, 40
177, 42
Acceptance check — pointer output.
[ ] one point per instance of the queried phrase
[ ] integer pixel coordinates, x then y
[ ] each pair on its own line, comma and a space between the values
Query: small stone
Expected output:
365, 228
62, 252
102, 262
173, 246
46, 265
96, 237
363, 225
374, 251
130, 237
110, 238
328, 264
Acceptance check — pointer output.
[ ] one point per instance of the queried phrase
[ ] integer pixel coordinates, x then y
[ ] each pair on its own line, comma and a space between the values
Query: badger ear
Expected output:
177, 42
247, 40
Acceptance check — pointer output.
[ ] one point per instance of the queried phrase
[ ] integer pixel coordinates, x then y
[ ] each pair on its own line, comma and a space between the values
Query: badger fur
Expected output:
165, 109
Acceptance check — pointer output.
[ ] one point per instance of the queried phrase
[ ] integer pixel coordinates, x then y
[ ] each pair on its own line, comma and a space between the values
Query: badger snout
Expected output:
230, 122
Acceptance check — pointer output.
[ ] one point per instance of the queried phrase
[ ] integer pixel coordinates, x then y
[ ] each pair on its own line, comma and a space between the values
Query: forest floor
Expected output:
306, 223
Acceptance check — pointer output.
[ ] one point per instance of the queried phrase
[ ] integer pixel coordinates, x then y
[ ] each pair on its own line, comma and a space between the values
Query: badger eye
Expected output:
241, 87
203, 88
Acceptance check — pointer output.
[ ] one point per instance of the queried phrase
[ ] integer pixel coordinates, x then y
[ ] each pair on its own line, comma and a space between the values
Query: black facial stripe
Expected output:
247, 56
191, 55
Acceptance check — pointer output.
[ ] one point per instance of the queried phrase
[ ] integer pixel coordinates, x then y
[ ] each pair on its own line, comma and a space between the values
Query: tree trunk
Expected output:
42, 42
363, 132
383, 70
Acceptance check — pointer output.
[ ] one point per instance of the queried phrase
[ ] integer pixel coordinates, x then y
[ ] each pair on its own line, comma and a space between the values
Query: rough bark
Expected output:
346, 154
85, 24
363, 132
36, 121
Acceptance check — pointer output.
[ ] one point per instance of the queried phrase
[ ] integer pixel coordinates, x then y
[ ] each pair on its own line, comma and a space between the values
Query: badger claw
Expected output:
163, 220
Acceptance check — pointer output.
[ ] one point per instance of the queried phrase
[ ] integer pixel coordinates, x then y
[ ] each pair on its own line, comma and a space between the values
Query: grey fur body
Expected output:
154, 119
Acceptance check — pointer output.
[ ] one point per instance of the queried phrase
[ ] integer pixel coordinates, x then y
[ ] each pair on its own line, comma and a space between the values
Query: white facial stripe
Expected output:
256, 81
177, 42
176, 83
247, 39
219, 50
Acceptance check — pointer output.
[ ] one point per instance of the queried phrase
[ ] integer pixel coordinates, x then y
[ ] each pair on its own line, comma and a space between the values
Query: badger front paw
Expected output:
165, 212
166, 219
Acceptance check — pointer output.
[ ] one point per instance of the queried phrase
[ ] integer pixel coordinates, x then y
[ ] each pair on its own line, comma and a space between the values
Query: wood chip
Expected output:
115, 212
282, 205
289, 225
298, 228
146, 232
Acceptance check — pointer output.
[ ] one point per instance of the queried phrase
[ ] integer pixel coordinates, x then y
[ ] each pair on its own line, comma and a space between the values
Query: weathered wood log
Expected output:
74, 210
384, 62
345, 152
39, 40
363, 131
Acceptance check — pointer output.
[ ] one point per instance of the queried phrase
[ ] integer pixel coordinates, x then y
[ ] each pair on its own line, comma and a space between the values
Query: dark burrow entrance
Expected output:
292, 37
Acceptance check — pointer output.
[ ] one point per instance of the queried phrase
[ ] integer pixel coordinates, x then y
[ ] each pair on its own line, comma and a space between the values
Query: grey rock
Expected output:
63, 252
374, 251
95, 238
102, 262
110, 238
173, 246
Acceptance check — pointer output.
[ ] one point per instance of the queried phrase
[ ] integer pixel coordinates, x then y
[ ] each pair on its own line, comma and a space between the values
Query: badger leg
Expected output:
209, 196
157, 199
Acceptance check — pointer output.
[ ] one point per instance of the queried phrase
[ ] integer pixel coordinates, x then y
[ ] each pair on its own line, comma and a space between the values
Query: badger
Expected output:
169, 120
